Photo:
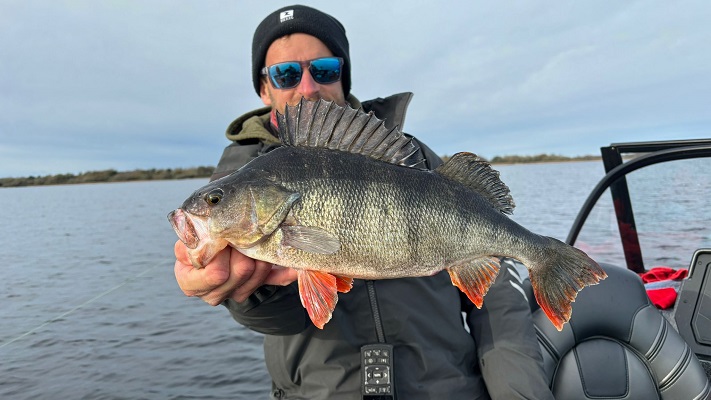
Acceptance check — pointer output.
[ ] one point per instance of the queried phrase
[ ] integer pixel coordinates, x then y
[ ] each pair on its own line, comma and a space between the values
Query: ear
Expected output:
264, 92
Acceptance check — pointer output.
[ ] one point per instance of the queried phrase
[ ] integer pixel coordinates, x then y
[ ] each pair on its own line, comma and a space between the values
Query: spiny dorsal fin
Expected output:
475, 173
325, 124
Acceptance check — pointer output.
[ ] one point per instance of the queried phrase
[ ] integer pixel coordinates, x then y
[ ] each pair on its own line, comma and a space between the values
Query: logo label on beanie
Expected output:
286, 15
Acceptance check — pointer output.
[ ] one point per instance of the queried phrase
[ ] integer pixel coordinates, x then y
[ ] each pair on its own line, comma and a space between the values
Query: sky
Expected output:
91, 85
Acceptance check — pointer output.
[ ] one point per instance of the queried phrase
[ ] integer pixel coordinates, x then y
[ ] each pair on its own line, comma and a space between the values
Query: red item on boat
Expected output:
662, 298
663, 273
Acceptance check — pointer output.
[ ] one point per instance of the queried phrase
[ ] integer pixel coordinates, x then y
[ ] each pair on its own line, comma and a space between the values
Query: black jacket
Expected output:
435, 357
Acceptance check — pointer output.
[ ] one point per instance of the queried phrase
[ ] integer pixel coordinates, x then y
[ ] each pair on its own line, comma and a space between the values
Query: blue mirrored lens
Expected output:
285, 75
326, 70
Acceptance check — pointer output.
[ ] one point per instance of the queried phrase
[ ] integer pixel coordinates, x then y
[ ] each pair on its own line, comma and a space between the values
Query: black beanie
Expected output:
300, 19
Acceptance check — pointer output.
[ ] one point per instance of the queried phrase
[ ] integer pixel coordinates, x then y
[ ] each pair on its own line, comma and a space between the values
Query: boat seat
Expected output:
617, 345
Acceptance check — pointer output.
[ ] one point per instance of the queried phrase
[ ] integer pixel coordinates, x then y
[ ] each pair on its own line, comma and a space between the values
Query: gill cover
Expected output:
260, 211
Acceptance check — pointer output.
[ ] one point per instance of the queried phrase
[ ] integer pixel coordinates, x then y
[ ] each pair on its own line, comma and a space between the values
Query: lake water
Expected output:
90, 308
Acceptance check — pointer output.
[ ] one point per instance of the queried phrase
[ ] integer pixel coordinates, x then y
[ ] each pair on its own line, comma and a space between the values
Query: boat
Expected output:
619, 344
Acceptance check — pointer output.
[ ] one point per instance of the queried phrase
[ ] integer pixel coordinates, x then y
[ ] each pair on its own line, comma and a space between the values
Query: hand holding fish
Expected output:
230, 274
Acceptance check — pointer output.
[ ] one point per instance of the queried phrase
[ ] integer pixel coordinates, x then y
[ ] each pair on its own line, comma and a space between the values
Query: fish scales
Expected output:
391, 220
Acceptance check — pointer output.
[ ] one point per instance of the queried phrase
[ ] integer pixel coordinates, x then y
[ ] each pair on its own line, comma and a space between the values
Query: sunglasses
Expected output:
287, 75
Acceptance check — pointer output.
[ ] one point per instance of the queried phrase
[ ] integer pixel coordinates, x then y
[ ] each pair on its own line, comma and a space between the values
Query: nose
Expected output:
308, 87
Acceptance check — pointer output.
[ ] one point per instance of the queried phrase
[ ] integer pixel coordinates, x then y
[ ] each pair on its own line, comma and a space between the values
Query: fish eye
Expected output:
214, 197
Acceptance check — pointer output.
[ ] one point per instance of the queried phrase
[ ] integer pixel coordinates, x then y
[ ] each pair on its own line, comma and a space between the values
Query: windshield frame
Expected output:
616, 169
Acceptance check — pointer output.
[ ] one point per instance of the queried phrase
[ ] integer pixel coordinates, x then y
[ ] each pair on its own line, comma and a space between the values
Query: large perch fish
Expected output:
345, 197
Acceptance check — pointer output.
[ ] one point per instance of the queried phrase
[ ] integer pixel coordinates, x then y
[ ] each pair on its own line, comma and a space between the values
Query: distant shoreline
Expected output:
109, 175
570, 159
536, 159
112, 175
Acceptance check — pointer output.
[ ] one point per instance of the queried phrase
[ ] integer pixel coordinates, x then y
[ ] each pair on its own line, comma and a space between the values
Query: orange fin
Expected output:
344, 284
318, 295
557, 281
475, 278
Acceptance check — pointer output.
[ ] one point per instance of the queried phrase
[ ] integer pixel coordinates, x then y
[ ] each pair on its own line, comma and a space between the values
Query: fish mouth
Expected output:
184, 226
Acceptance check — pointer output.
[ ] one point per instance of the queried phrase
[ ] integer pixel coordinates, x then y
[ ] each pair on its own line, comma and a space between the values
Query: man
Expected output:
300, 52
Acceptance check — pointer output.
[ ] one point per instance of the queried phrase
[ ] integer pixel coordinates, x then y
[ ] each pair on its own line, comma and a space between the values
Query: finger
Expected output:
244, 278
198, 282
241, 266
247, 286
281, 276
181, 252
201, 281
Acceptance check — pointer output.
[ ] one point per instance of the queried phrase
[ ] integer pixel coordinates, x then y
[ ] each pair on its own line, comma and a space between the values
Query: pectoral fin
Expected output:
310, 239
475, 277
318, 295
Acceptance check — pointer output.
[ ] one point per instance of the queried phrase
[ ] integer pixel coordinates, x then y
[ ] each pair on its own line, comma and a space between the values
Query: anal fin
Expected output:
317, 291
475, 277
344, 284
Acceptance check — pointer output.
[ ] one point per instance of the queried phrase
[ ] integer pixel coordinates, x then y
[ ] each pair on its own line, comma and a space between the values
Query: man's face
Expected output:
298, 47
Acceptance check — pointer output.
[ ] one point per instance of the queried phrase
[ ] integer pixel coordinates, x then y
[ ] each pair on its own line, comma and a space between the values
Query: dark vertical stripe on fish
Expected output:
414, 223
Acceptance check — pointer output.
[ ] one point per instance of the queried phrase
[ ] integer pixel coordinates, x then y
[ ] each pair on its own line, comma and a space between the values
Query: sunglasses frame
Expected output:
304, 65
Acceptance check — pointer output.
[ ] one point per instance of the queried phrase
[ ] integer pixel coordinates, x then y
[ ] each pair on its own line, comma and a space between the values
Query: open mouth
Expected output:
185, 229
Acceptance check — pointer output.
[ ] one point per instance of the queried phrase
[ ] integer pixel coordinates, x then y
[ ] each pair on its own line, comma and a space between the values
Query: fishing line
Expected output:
93, 299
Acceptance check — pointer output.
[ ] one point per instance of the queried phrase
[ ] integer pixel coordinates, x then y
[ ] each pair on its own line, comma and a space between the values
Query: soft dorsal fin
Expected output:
325, 124
475, 173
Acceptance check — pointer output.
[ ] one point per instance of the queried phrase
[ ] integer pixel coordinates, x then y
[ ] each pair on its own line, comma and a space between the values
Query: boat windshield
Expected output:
671, 204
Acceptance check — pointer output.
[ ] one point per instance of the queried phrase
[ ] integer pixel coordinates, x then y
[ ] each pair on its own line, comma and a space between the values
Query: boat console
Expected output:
693, 307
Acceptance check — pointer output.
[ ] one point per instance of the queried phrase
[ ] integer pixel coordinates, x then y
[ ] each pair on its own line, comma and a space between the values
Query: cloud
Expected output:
93, 85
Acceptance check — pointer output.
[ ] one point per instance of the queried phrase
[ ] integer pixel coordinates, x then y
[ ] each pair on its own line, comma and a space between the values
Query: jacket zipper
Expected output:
379, 331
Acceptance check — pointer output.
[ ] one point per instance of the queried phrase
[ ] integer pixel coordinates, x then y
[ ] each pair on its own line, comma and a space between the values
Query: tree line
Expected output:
538, 158
109, 175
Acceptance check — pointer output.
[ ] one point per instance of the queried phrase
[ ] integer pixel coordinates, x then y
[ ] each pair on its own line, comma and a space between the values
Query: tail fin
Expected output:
558, 276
